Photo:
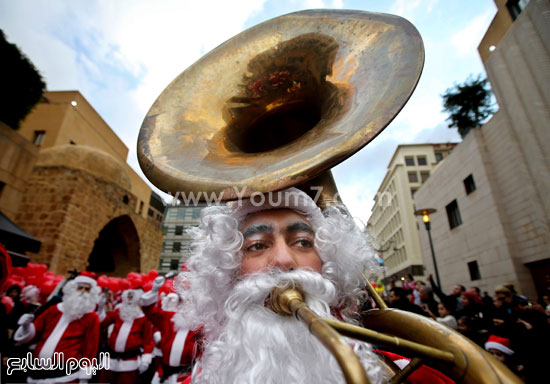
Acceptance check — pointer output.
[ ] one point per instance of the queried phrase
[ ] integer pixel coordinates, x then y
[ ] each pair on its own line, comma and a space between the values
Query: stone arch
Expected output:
116, 250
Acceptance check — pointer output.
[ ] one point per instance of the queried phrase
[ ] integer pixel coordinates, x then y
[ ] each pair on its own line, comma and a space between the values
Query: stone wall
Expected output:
67, 209
17, 158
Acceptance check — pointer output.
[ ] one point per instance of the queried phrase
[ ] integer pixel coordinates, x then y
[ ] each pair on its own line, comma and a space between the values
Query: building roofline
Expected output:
417, 145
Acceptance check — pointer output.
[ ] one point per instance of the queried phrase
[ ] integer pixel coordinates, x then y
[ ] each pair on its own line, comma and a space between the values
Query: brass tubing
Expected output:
290, 302
401, 345
377, 299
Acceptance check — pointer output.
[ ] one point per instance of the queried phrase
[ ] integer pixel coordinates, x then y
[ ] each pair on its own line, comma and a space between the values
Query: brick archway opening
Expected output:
116, 249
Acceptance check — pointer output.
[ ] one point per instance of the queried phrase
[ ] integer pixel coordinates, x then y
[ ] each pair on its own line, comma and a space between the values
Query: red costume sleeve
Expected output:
148, 341
154, 315
41, 321
91, 342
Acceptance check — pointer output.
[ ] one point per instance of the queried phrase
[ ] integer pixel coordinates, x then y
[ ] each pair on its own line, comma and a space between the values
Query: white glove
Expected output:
150, 297
25, 320
158, 283
157, 337
144, 363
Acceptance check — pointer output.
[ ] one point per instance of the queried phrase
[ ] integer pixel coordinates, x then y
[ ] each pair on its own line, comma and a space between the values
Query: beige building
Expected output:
392, 221
66, 182
176, 243
65, 117
492, 224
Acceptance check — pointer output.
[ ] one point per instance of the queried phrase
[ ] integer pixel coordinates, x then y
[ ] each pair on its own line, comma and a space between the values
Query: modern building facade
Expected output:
492, 224
392, 222
176, 241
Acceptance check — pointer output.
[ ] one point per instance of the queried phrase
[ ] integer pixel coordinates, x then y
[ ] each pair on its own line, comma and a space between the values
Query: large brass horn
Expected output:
402, 332
275, 107
280, 103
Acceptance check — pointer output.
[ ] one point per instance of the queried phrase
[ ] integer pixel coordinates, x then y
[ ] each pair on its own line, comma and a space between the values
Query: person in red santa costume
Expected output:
179, 343
130, 344
70, 328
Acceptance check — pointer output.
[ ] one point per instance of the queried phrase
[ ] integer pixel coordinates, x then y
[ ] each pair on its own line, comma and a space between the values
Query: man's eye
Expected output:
255, 247
304, 243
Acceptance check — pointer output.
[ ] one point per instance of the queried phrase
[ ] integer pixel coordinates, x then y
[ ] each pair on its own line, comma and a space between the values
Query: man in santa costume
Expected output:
70, 328
179, 343
130, 344
242, 251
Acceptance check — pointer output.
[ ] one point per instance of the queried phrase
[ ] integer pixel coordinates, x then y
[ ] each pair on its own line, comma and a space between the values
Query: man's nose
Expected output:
282, 256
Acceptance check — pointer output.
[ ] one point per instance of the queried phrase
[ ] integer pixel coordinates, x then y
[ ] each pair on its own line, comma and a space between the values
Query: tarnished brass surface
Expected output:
402, 332
280, 103
290, 302
471, 363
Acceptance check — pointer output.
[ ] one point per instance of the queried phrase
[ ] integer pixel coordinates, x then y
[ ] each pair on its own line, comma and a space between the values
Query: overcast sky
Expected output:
121, 54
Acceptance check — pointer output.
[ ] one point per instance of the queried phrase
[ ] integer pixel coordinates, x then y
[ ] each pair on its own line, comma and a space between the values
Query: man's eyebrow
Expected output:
257, 228
300, 226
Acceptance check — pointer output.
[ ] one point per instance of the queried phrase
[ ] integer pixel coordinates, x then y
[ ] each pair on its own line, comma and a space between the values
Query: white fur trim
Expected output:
156, 378
80, 374
122, 336
177, 347
51, 343
401, 363
291, 198
119, 365
86, 279
498, 347
148, 298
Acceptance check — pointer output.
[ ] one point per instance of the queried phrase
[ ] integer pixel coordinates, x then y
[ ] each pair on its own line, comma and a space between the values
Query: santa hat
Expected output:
291, 198
501, 344
85, 279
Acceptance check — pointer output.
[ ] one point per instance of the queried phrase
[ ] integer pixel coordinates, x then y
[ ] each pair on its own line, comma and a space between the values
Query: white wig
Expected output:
215, 260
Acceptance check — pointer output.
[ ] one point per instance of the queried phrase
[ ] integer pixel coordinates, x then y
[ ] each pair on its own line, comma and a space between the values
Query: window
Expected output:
174, 264
140, 207
469, 184
421, 160
515, 7
413, 177
39, 137
196, 213
409, 161
474, 270
179, 230
176, 247
438, 156
453, 214
72, 142
125, 199
150, 212
2, 185
424, 176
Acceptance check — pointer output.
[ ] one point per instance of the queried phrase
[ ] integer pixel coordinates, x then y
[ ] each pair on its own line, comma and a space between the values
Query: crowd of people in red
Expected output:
128, 329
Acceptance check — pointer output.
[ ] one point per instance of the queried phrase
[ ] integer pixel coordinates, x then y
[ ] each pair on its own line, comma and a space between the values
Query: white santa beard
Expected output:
257, 345
77, 304
130, 311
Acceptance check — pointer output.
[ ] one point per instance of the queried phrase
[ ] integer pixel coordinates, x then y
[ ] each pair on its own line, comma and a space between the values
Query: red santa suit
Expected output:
130, 346
179, 347
55, 331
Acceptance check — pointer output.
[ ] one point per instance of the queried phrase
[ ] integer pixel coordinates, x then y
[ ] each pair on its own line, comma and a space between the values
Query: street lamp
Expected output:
425, 213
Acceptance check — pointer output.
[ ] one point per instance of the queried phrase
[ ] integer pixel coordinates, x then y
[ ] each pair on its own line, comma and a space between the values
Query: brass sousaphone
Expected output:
277, 106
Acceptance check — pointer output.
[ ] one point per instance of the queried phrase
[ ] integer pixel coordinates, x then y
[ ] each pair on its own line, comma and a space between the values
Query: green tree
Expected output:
468, 104
22, 85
